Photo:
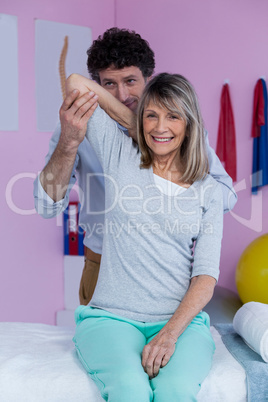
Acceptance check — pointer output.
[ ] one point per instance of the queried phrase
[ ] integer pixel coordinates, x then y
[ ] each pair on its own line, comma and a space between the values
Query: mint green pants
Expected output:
110, 349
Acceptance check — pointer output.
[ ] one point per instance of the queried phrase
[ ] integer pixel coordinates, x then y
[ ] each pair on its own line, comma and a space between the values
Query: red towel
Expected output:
258, 110
226, 144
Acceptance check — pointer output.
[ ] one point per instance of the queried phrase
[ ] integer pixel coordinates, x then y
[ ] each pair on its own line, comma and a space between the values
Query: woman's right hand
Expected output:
157, 352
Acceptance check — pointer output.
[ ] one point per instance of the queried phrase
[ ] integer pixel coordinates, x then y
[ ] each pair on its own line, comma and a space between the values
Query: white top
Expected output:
167, 187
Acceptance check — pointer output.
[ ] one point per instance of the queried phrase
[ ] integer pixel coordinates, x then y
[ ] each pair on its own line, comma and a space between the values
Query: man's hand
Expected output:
74, 115
157, 353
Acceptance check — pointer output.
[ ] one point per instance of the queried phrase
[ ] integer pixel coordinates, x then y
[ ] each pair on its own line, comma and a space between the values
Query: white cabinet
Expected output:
73, 267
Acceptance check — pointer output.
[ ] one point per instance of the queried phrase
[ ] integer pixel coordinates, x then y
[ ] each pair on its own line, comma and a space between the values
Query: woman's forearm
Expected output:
116, 110
159, 350
196, 298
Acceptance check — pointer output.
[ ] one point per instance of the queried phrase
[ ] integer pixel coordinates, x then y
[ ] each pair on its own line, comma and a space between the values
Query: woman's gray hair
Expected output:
175, 93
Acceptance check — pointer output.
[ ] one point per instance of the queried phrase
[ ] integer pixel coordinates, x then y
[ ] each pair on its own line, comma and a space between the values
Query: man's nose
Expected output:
122, 93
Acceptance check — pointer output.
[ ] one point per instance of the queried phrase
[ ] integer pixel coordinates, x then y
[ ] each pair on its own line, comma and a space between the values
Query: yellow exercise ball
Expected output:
252, 272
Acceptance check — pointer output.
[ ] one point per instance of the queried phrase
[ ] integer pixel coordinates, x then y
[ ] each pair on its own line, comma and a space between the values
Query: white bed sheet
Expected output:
38, 362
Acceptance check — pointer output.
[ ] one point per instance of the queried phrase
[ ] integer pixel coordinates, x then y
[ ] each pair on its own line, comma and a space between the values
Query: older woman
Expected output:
143, 337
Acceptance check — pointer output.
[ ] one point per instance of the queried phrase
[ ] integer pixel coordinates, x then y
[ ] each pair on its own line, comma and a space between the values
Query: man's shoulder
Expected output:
209, 179
209, 186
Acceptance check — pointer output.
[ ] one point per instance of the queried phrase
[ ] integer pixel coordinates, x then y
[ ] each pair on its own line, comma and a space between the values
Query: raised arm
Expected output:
75, 112
116, 110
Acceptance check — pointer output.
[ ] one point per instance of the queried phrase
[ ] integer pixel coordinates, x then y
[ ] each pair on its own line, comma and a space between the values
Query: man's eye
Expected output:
131, 81
109, 84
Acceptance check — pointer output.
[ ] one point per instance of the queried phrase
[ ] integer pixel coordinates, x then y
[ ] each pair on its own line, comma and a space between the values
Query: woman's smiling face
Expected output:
164, 131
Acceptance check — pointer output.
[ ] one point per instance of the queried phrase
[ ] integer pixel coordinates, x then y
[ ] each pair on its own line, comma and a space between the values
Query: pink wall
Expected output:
31, 279
208, 42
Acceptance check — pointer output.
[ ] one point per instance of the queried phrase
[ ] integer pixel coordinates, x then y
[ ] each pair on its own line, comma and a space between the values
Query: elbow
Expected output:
205, 285
79, 82
73, 77
210, 292
231, 201
43, 211
70, 83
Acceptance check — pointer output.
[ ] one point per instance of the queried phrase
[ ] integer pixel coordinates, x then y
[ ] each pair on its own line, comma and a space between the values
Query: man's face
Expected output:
125, 84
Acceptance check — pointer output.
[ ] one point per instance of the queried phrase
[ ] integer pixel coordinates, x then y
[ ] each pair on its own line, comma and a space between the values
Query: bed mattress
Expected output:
38, 362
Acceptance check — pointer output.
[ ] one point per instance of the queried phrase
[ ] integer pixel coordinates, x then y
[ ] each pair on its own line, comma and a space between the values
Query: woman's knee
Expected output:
176, 390
129, 387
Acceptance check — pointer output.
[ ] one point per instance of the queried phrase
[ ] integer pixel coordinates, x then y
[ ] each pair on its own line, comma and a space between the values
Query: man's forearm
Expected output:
55, 177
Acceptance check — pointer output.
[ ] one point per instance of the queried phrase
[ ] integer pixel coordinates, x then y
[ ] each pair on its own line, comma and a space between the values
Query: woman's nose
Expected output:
161, 125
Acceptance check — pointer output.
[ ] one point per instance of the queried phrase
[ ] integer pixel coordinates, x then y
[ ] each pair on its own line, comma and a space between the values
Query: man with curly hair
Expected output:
121, 62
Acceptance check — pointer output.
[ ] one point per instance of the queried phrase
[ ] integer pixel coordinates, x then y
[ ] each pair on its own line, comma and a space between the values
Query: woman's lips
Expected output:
162, 140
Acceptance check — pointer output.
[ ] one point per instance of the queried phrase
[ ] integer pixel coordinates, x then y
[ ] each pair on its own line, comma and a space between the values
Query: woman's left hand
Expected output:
157, 353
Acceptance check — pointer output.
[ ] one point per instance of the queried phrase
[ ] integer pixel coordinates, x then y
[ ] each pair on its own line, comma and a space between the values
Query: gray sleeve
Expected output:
218, 173
105, 138
208, 243
44, 205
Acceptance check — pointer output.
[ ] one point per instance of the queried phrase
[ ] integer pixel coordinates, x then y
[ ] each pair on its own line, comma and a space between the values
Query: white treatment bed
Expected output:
38, 362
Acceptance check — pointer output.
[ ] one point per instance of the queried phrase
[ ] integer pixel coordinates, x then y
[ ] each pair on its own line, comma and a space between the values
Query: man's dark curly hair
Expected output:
122, 48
